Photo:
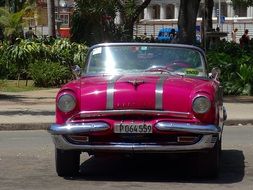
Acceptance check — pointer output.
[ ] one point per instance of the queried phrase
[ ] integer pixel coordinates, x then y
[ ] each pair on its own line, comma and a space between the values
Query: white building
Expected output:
169, 9
164, 13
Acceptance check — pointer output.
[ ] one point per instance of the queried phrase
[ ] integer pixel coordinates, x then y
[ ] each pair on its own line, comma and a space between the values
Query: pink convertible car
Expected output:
140, 98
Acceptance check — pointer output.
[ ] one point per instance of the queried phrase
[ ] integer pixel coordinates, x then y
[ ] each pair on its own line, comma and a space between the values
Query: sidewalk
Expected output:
35, 110
27, 110
239, 110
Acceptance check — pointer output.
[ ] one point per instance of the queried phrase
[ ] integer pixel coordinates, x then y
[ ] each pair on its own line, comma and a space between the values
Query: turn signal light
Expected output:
186, 139
79, 138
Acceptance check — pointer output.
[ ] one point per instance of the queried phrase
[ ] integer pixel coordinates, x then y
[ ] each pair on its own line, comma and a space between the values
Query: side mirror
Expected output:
76, 71
215, 74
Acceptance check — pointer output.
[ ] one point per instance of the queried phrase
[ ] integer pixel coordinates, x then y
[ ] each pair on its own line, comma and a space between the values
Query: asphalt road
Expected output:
27, 162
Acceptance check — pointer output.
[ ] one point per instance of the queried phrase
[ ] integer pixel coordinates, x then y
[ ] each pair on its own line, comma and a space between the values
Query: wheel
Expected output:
67, 162
208, 164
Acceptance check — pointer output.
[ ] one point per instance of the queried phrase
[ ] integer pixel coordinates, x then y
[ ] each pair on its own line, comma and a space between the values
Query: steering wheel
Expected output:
158, 69
177, 64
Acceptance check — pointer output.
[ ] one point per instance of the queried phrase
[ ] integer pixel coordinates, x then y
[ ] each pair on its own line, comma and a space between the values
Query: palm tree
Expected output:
12, 23
93, 21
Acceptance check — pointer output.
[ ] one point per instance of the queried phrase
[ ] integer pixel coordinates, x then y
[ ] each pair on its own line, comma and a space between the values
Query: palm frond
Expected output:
4, 21
4, 12
12, 22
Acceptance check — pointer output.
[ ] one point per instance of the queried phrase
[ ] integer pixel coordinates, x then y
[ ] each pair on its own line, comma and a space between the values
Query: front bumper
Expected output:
209, 137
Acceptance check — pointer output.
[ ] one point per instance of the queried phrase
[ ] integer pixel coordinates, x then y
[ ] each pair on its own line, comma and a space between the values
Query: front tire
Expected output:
208, 164
67, 162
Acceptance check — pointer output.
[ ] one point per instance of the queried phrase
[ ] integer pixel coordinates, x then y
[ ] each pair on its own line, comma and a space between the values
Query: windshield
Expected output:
140, 58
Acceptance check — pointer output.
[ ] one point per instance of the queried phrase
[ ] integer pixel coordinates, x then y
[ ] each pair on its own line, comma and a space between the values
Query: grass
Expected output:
11, 86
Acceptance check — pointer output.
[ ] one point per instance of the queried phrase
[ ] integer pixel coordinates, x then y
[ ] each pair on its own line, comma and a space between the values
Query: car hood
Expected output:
148, 92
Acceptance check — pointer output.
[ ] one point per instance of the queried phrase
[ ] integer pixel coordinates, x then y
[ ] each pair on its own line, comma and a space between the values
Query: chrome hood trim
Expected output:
110, 92
159, 93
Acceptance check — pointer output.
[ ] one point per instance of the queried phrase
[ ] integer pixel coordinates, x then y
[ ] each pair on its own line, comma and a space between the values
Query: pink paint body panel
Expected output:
128, 96
178, 93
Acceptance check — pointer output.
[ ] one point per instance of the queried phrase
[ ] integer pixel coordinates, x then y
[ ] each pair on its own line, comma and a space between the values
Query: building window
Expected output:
241, 11
64, 18
170, 11
224, 11
156, 12
223, 8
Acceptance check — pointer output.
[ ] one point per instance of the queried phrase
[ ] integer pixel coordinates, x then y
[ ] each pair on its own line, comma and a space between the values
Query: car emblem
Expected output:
136, 82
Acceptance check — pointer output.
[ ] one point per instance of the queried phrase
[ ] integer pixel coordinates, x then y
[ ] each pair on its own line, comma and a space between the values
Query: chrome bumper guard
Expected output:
74, 128
187, 127
206, 142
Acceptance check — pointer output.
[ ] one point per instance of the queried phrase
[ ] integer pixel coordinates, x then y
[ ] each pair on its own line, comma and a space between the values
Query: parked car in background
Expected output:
169, 35
166, 35
141, 98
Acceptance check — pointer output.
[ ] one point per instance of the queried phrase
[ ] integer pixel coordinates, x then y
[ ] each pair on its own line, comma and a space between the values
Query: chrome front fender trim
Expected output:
205, 143
73, 128
188, 127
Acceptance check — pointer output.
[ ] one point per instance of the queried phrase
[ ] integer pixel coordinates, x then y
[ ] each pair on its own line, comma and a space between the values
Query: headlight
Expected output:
66, 103
201, 105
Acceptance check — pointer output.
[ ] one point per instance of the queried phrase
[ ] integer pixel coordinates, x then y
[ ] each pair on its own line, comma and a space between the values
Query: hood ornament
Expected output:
136, 82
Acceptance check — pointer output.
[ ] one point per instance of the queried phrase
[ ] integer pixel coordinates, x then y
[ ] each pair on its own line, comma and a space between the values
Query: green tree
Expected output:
2, 3
15, 5
187, 21
93, 21
208, 12
11, 22
245, 3
130, 11
21, 55
98, 18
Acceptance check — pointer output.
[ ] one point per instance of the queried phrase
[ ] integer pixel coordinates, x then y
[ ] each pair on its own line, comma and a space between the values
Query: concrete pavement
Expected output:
27, 110
35, 110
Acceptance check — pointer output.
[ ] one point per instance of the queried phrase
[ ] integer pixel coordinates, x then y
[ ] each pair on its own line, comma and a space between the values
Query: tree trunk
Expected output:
187, 21
18, 79
26, 80
129, 19
208, 14
207, 24
129, 30
51, 18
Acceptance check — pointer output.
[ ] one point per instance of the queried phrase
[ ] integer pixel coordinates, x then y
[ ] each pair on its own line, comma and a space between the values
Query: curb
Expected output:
239, 122
44, 126
24, 126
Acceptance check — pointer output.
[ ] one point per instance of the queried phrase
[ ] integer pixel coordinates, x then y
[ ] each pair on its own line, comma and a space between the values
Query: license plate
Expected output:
133, 128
